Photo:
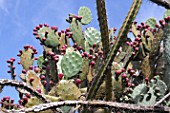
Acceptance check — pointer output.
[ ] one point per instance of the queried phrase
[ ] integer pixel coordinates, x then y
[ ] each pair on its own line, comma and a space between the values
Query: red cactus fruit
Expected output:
78, 81
60, 75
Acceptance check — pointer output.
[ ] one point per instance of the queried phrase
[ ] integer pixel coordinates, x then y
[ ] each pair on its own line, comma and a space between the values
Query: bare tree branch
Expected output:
163, 3
23, 85
121, 106
164, 98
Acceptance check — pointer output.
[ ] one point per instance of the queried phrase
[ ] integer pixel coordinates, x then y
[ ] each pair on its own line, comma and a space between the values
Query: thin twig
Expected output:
23, 85
164, 98
122, 106
163, 3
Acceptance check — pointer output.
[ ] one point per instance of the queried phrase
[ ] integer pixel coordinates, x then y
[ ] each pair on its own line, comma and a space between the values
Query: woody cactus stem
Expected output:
123, 31
163, 3
102, 18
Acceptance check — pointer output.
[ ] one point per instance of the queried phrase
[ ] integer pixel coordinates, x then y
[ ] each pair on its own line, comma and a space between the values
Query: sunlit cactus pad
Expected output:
51, 37
34, 81
76, 28
86, 15
27, 58
151, 22
92, 35
71, 64
67, 90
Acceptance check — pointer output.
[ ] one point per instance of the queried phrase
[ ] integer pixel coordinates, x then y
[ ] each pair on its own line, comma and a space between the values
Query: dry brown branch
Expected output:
115, 105
23, 85
163, 3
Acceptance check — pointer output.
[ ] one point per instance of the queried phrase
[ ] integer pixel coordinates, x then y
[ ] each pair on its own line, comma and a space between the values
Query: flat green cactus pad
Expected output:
92, 35
67, 90
51, 38
76, 29
151, 22
86, 15
71, 64
142, 96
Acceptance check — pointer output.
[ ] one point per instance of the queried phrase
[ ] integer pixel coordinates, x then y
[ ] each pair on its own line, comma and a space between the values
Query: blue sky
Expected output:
19, 17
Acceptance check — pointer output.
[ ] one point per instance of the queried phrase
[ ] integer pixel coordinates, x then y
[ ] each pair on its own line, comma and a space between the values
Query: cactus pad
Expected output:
40, 61
87, 47
86, 15
67, 90
76, 28
146, 68
92, 35
167, 42
151, 22
36, 83
85, 69
51, 38
148, 94
33, 101
142, 96
167, 13
71, 64
27, 58
160, 85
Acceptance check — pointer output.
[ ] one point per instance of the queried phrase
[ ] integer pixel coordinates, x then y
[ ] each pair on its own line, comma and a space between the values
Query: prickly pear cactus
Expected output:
35, 101
76, 28
92, 35
67, 90
159, 85
86, 15
34, 81
87, 46
71, 64
48, 36
166, 77
148, 94
151, 22
40, 61
85, 69
143, 95
145, 67
27, 58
